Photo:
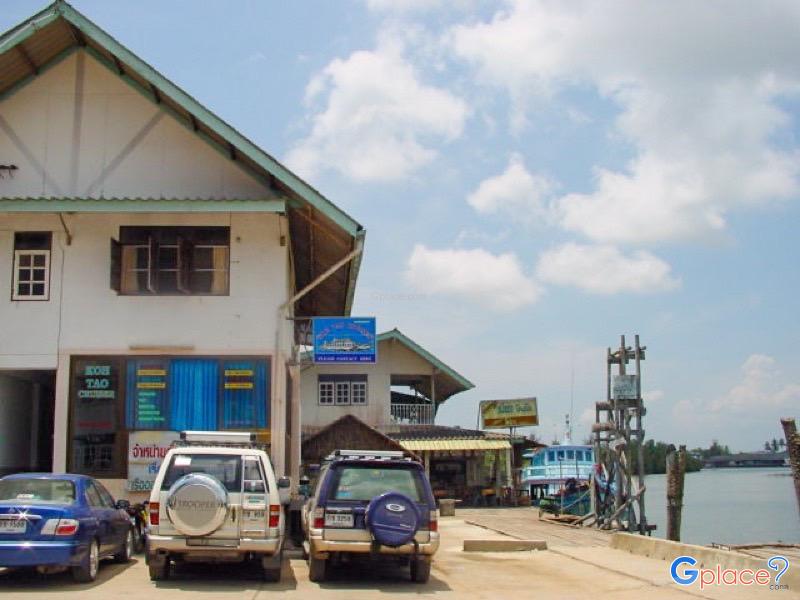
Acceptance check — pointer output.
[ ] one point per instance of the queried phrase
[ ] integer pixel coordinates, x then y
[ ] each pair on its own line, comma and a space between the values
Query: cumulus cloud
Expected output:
699, 108
760, 388
495, 281
374, 119
516, 190
603, 269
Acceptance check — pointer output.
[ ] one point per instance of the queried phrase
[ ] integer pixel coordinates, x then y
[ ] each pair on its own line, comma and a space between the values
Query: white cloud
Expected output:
759, 388
495, 281
653, 396
378, 121
515, 190
699, 106
604, 269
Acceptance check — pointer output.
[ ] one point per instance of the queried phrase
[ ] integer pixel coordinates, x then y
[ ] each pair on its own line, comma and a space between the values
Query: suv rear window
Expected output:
364, 482
225, 467
37, 491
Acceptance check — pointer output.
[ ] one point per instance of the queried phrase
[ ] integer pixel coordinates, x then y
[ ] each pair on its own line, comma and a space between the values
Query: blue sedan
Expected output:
57, 521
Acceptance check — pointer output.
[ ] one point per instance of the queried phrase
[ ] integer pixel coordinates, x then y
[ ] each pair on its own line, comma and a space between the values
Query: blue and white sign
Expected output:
344, 339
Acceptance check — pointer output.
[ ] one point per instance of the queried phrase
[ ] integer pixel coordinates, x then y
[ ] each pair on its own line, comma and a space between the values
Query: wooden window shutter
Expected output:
152, 265
185, 253
116, 266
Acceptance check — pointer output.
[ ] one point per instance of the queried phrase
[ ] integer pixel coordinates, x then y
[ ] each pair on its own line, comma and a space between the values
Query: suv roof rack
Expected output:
222, 439
384, 455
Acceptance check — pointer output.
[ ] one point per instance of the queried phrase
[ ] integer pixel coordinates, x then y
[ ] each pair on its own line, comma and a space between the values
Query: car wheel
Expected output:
271, 568
159, 571
125, 553
420, 570
316, 569
86, 572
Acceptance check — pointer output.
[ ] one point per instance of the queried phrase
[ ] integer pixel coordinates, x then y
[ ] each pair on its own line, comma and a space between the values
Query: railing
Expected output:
413, 414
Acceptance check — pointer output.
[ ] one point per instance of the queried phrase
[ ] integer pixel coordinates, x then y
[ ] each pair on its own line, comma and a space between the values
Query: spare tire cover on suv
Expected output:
197, 504
392, 518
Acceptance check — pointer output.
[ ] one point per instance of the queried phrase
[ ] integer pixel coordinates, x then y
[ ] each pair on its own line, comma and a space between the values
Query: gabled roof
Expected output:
321, 233
448, 380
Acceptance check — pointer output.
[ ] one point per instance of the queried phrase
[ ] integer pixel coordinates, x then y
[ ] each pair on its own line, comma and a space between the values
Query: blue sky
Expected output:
536, 178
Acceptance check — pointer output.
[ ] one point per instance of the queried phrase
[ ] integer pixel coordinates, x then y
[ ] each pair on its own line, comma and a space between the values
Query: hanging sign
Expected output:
502, 414
344, 339
625, 387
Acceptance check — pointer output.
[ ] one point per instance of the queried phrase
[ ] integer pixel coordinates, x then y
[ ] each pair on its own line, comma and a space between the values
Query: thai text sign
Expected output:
625, 387
146, 450
344, 339
500, 414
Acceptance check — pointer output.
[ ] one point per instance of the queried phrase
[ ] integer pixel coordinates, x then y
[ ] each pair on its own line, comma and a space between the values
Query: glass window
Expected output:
342, 392
31, 266
37, 491
244, 394
560, 454
105, 495
538, 459
326, 392
225, 467
253, 476
358, 392
93, 496
570, 455
364, 482
551, 456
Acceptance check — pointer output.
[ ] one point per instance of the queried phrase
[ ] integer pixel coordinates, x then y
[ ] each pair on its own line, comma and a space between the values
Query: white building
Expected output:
421, 384
156, 264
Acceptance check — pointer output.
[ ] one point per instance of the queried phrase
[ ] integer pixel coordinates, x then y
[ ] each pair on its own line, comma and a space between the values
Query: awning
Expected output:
417, 445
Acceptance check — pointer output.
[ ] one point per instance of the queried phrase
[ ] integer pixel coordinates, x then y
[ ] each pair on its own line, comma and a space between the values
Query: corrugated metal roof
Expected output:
417, 445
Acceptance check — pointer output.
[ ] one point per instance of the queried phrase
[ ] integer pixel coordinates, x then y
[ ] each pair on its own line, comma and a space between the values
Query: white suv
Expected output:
215, 499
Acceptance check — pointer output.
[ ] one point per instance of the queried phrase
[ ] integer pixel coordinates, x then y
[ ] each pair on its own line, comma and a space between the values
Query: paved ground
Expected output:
568, 569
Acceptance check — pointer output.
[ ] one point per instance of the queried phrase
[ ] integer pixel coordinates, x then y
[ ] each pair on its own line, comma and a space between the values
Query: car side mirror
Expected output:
123, 504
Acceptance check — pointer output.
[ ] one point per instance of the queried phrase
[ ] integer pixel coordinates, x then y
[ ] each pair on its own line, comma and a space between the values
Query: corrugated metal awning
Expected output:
417, 445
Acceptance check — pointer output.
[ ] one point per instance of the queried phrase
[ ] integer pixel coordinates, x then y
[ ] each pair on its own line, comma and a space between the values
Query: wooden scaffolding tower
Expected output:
617, 487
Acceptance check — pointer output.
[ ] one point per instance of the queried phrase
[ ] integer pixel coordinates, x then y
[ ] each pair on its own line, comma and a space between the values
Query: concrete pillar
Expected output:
60, 442
277, 416
36, 404
294, 370
426, 456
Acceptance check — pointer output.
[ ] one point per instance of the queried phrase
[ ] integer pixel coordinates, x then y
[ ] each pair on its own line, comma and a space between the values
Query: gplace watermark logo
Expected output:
683, 573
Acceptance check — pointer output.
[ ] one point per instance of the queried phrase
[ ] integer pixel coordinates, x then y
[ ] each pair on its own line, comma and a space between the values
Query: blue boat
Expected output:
555, 472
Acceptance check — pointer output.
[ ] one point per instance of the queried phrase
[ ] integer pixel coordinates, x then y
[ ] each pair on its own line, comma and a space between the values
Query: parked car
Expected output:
59, 521
376, 503
216, 499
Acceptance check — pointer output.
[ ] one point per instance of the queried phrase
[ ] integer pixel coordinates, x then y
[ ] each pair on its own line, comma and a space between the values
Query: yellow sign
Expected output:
151, 372
502, 414
238, 385
151, 385
238, 373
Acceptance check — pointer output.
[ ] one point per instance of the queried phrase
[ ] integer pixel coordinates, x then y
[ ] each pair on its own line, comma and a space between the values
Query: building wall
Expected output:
79, 131
393, 358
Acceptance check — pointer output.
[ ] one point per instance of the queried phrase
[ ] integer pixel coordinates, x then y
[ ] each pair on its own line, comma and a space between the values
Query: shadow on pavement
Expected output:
225, 578
29, 581
387, 578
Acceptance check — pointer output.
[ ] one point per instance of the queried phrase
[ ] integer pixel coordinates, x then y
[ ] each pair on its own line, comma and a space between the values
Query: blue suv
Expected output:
373, 503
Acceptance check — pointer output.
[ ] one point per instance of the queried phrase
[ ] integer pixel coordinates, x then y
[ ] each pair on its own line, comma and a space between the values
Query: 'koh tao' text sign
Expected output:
501, 414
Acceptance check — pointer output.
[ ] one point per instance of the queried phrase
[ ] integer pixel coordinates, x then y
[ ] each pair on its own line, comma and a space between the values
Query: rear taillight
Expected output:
433, 521
66, 527
319, 518
274, 515
153, 513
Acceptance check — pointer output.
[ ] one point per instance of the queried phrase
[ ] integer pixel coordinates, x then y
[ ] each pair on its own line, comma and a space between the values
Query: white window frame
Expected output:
15, 295
343, 386
328, 394
361, 394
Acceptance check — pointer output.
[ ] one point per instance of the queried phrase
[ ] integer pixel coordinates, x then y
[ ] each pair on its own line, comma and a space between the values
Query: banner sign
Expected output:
146, 450
502, 414
625, 387
344, 339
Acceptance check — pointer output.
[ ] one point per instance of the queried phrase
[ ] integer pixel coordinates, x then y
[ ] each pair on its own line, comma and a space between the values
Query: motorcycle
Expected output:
138, 516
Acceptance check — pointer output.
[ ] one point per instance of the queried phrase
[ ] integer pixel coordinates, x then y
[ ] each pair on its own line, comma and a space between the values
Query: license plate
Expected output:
13, 526
338, 519
255, 515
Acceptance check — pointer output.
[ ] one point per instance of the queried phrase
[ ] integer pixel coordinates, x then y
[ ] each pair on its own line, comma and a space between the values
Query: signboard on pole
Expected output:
502, 414
625, 387
146, 450
344, 339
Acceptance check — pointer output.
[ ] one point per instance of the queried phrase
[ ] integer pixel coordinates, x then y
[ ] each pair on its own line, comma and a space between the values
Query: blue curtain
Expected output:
245, 396
194, 389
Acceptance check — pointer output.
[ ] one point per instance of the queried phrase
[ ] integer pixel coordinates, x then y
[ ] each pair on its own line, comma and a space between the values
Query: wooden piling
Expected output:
676, 468
793, 450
